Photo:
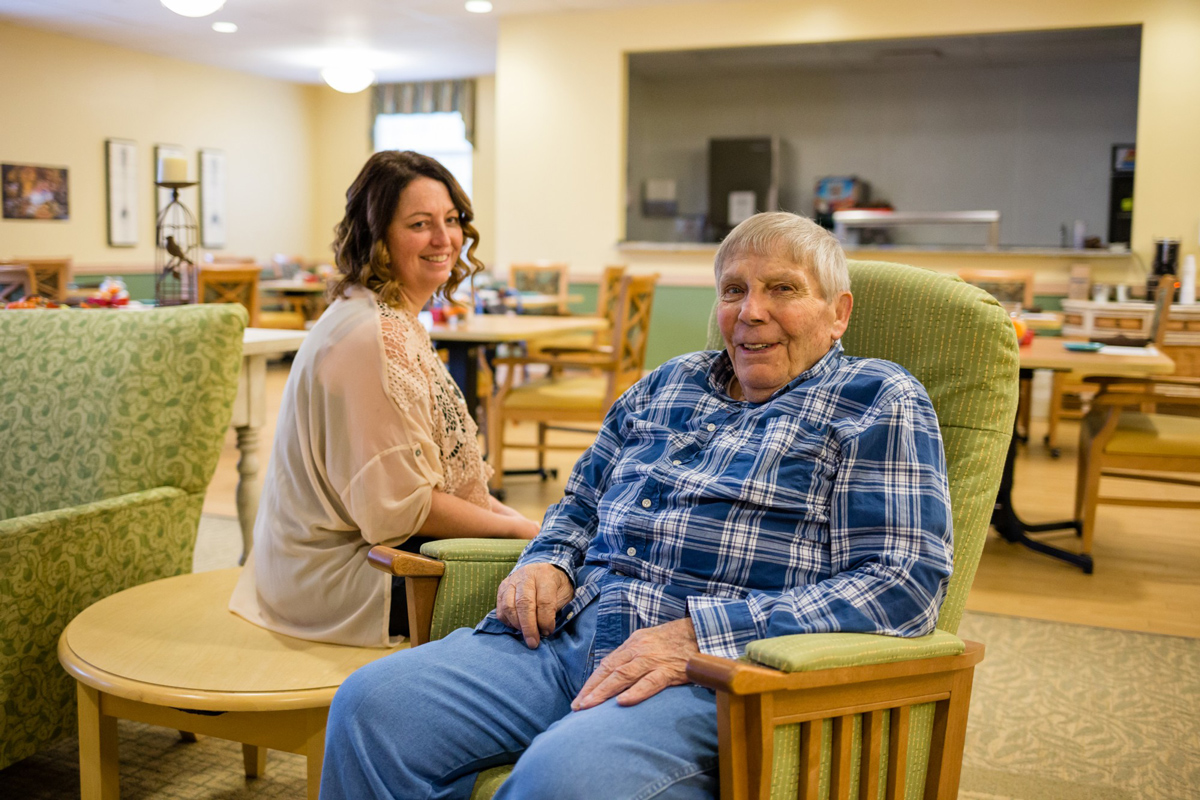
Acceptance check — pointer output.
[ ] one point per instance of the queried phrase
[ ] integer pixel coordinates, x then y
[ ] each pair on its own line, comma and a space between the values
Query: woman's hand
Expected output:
521, 526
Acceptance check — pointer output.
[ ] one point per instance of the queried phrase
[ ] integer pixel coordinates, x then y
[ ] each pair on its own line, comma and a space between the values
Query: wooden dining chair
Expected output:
547, 279
587, 385
220, 284
607, 301
51, 276
16, 281
1071, 392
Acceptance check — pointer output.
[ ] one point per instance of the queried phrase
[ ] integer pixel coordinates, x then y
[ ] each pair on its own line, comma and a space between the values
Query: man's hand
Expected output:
530, 597
649, 661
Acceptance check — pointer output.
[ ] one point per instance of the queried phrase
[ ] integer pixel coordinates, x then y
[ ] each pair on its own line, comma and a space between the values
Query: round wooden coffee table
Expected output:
171, 653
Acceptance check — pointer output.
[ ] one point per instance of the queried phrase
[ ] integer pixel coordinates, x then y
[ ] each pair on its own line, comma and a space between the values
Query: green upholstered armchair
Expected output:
829, 714
111, 423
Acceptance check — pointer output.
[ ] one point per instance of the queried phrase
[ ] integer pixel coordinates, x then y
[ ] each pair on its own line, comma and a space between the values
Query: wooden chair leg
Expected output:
541, 447
1089, 492
315, 750
495, 439
1057, 382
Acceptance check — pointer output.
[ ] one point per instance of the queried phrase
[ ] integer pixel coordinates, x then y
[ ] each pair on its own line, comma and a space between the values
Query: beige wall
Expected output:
62, 97
561, 95
342, 142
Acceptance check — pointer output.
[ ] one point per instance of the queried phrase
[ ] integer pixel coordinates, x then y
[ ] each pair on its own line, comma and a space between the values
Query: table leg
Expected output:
99, 771
255, 760
464, 369
315, 749
1013, 529
249, 414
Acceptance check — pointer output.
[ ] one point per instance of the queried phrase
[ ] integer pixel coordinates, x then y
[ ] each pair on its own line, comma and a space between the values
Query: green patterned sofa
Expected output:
111, 424
959, 342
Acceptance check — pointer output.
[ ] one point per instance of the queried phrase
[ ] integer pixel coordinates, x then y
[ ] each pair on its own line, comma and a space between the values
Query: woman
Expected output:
374, 443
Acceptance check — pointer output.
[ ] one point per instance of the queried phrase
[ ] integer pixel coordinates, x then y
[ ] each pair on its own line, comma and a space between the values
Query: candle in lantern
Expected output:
172, 170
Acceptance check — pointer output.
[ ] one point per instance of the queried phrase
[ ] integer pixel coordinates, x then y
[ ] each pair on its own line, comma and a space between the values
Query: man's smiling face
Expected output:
775, 322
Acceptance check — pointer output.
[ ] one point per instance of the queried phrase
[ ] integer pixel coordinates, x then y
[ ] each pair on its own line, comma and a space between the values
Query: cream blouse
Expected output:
370, 425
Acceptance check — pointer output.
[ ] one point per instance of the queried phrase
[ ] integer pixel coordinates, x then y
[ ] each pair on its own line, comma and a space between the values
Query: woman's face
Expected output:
424, 239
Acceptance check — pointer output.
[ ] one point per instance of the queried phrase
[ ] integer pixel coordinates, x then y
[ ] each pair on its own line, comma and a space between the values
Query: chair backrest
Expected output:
549, 279
959, 343
230, 285
51, 276
1006, 285
124, 402
630, 332
16, 281
608, 297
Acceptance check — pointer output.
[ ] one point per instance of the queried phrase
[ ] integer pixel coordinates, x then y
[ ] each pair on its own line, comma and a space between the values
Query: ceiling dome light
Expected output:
479, 6
348, 78
224, 27
193, 8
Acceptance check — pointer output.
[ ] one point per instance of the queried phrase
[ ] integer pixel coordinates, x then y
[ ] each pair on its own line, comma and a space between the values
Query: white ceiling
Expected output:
294, 39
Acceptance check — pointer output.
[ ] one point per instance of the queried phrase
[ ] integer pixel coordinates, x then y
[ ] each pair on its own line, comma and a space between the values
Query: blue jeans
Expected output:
421, 723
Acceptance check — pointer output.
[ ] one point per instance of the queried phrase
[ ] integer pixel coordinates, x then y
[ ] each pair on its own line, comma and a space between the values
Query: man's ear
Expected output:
841, 309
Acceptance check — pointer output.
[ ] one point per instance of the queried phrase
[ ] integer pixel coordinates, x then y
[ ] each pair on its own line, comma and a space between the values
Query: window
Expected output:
438, 135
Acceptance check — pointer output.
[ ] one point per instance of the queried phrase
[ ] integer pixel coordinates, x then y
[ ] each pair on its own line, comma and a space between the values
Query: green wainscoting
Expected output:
678, 324
139, 284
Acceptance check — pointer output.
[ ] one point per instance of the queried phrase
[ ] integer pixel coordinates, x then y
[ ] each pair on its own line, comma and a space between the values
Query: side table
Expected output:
171, 653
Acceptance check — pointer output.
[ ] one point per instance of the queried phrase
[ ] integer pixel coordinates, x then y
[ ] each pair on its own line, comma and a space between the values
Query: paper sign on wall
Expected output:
741, 206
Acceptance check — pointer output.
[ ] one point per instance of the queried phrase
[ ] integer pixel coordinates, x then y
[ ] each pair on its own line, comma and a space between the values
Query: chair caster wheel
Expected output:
499, 494
1055, 452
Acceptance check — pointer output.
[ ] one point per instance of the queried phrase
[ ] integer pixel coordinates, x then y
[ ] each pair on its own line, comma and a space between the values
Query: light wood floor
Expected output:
1147, 575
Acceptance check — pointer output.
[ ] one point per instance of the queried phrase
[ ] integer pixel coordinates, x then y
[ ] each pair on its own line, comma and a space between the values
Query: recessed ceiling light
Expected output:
348, 78
479, 6
193, 8
224, 27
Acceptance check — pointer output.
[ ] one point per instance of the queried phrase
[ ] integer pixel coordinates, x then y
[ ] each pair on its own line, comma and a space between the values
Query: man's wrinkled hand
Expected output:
649, 661
529, 599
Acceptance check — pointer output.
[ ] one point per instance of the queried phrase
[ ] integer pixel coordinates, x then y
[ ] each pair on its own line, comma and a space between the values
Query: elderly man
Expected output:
775, 487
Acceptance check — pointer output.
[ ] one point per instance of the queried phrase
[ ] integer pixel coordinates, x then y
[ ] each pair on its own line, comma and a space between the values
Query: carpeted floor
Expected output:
1058, 712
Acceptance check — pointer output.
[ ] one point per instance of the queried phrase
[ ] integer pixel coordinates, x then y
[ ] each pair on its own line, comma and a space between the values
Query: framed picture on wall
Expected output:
34, 192
120, 171
162, 197
212, 198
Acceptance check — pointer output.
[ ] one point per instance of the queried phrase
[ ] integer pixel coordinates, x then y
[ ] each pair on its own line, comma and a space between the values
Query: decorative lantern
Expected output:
176, 240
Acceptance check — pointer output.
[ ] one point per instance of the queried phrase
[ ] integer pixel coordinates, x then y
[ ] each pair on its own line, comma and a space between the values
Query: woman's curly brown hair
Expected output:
360, 246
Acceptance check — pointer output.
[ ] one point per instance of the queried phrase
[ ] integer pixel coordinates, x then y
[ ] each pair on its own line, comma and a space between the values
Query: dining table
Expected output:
1055, 354
462, 338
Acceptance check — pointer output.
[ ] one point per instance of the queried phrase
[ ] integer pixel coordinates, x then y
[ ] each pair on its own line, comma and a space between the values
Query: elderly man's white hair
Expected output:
795, 238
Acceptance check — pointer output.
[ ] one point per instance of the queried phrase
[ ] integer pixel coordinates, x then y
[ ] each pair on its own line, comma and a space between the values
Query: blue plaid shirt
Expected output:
823, 509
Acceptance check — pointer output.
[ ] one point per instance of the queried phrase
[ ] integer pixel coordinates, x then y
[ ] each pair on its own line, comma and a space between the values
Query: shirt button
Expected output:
677, 462
418, 451
711, 427
631, 551
570, 614
646, 503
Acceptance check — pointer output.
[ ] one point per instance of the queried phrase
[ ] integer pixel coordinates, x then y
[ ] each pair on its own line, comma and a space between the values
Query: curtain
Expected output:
427, 97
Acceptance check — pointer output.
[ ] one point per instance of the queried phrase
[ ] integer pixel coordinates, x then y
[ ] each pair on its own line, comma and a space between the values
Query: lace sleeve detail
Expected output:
417, 379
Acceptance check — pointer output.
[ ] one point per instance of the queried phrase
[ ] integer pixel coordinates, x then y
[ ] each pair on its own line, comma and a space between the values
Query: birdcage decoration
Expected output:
176, 248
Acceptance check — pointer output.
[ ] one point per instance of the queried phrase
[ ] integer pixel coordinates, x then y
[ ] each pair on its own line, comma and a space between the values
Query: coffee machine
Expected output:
1166, 262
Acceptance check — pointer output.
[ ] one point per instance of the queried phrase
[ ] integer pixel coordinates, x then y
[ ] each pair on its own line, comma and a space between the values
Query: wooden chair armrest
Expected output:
403, 564
744, 678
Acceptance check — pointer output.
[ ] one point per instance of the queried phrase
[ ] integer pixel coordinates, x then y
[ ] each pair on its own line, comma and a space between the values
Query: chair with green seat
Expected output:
824, 714
112, 423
